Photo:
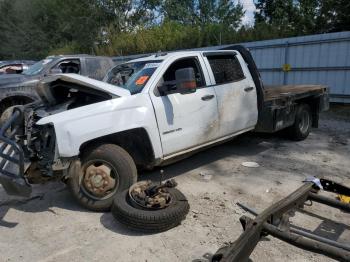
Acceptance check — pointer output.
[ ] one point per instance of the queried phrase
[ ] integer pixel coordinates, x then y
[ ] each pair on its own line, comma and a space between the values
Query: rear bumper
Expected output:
12, 157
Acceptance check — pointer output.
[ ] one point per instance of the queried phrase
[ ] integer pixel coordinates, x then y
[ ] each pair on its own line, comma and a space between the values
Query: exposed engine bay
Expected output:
38, 141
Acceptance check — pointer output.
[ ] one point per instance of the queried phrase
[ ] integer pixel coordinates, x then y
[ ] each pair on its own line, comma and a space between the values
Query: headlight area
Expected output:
42, 153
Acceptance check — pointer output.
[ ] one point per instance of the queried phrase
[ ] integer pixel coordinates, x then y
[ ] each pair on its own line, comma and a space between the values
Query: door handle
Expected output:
207, 97
248, 89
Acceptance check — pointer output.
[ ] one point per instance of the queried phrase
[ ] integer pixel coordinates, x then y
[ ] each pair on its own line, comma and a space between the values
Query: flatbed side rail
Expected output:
275, 221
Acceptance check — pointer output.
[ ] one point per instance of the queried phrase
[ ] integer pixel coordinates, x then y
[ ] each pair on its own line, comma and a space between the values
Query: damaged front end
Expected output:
27, 151
28, 144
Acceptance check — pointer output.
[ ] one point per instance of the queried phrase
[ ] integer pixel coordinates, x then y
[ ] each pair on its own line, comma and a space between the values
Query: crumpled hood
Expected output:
87, 82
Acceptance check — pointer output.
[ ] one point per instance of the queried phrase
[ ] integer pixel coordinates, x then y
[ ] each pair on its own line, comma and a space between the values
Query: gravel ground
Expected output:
52, 227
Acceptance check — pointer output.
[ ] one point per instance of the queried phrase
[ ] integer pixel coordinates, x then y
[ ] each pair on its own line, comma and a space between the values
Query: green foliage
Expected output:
300, 17
32, 29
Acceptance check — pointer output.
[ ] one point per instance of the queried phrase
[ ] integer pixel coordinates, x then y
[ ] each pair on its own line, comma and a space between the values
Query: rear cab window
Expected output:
225, 67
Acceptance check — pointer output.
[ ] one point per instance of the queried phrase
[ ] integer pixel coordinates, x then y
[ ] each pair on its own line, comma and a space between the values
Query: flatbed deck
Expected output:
283, 91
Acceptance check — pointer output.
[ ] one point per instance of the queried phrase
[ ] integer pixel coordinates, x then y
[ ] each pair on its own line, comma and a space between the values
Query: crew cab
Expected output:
19, 89
148, 112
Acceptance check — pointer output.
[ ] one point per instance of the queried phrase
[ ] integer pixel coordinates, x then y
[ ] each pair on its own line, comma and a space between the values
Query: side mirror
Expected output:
55, 71
185, 80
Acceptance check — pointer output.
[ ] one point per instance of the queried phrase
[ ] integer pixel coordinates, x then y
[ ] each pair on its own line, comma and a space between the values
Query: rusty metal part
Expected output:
98, 181
274, 221
148, 195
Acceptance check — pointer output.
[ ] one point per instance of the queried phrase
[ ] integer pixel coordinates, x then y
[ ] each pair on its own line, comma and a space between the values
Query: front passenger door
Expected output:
186, 120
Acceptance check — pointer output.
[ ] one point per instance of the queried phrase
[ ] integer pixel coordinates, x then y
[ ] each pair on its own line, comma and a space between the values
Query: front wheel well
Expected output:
135, 141
14, 100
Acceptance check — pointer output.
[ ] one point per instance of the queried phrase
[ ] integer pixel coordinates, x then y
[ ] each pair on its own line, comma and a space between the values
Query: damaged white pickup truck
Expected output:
93, 135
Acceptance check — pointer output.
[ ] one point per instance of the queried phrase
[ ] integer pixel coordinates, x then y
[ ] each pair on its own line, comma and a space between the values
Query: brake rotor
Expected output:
98, 181
150, 196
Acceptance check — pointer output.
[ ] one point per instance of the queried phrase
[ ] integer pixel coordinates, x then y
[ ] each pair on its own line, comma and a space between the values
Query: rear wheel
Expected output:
105, 170
302, 124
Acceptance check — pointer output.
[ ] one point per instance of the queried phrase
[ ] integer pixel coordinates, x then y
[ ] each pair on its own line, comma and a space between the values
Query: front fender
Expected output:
80, 125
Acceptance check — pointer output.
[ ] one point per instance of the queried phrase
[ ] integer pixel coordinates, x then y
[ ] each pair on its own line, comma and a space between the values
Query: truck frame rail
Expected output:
274, 221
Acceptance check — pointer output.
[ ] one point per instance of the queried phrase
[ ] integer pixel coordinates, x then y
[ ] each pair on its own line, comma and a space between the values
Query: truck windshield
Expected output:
132, 76
37, 67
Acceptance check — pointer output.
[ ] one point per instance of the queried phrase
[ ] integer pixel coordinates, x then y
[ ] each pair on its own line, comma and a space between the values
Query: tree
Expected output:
300, 17
203, 12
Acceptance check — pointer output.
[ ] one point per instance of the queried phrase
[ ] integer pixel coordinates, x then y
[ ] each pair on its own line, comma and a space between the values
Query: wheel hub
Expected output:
150, 196
98, 180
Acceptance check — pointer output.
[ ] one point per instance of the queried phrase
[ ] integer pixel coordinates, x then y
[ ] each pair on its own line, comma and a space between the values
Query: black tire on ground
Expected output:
150, 221
122, 167
302, 124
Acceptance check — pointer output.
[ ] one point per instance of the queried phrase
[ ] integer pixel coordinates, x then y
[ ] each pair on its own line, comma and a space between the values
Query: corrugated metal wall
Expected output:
314, 59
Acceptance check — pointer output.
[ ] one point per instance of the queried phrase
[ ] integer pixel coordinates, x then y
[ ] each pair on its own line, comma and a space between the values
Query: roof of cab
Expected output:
164, 56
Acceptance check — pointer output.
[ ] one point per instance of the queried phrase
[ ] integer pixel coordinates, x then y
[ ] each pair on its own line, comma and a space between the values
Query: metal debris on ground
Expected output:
250, 164
275, 221
344, 199
149, 195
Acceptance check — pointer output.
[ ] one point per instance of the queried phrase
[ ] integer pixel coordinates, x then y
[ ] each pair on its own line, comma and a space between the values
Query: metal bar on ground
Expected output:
307, 244
301, 232
329, 202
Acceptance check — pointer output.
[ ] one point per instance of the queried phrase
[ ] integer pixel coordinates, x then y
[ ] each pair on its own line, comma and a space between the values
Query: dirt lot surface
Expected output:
52, 227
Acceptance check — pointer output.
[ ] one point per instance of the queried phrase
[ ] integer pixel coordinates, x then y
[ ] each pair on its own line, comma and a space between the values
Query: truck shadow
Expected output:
247, 145
46, 197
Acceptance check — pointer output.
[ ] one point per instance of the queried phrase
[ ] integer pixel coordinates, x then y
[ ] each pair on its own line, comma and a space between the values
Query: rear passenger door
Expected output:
235, 92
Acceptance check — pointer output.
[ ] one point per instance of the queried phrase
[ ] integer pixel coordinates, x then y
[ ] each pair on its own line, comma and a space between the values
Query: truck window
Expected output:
37, 67
226, 68
69, 66
97, 68
169, 75
132, 76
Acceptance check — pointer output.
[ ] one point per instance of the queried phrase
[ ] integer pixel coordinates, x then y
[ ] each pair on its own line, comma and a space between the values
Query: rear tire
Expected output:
88, 187
302, 124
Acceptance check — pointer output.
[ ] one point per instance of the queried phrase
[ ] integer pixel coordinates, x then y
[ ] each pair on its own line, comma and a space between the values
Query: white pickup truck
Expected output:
147, 112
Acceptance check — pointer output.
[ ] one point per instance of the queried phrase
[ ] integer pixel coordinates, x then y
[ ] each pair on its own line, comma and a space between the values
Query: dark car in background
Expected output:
19, 89
15, 66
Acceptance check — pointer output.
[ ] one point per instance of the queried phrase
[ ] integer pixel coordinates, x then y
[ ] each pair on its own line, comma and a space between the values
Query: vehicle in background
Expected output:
152, 111
19, 89
15, 66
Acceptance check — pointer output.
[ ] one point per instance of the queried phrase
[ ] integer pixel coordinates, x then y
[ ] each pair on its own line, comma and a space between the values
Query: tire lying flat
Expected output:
151, 220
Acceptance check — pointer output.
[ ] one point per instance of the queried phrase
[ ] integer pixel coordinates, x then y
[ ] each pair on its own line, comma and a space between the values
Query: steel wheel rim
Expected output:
97, 179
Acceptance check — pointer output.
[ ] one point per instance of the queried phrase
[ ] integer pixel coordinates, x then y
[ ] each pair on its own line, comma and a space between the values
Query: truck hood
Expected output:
14, 79
87, 82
